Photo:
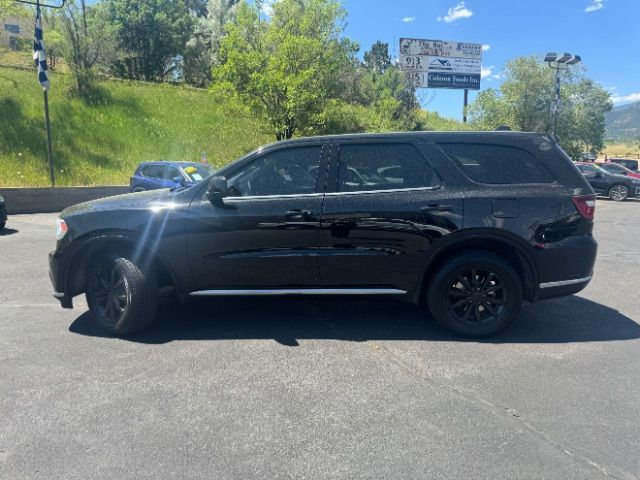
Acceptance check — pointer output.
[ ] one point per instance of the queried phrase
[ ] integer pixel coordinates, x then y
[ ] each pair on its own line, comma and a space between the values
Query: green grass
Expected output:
99, 139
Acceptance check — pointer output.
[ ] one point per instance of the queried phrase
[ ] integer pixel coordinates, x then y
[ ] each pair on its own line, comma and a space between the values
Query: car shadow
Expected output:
5, 232
570, 319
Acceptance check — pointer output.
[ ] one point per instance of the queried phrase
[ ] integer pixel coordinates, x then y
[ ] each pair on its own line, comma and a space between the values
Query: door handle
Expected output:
297, 215
436, 208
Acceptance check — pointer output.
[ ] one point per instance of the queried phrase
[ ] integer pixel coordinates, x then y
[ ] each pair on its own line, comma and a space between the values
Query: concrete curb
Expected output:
46, 200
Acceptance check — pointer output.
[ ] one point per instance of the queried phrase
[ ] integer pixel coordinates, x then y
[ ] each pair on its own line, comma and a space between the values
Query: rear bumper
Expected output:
563, 287
566, 267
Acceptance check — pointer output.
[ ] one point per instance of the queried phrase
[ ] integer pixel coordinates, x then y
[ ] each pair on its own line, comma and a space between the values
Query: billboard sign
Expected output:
439, 64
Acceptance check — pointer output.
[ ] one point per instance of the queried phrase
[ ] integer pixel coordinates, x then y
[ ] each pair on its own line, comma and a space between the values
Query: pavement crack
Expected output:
502, 410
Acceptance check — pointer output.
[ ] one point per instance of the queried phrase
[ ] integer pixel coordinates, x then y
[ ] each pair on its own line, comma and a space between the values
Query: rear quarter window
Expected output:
497, 164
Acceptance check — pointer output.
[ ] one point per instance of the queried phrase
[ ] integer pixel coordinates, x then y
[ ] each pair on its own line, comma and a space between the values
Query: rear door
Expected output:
384, 206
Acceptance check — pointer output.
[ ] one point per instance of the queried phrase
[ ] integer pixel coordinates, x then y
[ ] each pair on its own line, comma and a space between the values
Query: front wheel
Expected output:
121, 297
137, 190
475, 294
618, 192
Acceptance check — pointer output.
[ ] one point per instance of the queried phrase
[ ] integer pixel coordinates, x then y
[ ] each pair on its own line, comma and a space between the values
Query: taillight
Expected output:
586, 205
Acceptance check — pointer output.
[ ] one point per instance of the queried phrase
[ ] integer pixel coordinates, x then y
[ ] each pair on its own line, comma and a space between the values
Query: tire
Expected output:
138, 189
2, 225
121, 297
475, 294
618, 192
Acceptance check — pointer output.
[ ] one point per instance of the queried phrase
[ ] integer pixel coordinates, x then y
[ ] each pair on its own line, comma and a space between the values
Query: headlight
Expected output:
61, 229
1, 199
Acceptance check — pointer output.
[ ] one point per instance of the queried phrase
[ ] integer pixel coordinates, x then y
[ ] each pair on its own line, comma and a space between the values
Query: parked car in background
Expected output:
626, 162
616, 187
3, 213
617, 169
467, 225
587, 157
168, 174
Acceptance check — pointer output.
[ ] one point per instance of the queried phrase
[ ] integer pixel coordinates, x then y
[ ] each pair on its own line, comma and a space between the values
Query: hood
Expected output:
131, 201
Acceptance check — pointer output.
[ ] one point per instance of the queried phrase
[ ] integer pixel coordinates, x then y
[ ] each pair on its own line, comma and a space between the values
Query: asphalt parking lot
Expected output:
243, 389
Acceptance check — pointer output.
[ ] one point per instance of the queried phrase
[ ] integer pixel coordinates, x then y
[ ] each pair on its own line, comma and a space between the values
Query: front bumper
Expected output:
56, 274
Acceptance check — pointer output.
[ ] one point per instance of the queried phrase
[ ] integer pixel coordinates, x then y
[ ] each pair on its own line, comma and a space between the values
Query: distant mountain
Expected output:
623, 123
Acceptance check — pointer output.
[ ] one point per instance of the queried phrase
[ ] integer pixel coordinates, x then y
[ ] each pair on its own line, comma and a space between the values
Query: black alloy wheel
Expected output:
477, 295
110, 293
122, 298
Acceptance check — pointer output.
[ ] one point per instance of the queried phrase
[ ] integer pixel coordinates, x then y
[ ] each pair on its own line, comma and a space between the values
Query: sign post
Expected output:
464, 108
442, 64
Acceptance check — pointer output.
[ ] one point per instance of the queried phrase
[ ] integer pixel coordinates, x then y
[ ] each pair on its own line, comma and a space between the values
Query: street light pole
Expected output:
558, 64
556, 103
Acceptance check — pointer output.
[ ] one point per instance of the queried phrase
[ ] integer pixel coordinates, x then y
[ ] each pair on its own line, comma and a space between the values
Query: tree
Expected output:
89, 41
285, 68
152, 35
524, 102
202, 48
377, 59
9, 7
385, 88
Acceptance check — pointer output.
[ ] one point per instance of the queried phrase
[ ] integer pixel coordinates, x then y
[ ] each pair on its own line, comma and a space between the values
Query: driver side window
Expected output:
290, 171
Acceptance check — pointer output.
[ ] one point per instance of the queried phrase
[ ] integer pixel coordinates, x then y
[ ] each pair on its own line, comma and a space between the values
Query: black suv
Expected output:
467, 224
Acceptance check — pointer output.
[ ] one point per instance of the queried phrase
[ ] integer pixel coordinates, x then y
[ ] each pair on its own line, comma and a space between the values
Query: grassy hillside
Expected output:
99, 140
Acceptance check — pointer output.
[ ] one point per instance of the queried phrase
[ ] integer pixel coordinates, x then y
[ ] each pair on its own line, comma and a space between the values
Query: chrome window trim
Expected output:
390, 190
267, 197
332, 194
562, 283
297, 291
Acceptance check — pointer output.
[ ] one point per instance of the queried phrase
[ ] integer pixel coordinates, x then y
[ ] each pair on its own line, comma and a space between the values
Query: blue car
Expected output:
168, 174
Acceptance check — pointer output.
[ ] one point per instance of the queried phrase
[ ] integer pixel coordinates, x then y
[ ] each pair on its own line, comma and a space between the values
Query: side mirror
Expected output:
217, 190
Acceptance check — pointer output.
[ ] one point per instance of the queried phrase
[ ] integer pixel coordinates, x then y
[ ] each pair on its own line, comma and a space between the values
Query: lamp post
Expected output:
558, 64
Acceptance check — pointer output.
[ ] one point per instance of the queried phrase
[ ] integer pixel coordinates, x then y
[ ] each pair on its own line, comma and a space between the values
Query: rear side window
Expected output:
497, 164
383, 166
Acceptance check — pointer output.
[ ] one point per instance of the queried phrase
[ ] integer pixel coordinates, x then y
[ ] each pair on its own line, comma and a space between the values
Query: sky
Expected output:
604, 33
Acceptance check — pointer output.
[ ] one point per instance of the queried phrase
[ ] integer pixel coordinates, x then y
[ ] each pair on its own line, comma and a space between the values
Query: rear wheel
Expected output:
618, 192
2, 225
121, 297
475, 294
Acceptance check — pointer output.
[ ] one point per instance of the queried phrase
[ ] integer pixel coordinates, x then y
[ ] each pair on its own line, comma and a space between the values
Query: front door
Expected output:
266, 233
597, 179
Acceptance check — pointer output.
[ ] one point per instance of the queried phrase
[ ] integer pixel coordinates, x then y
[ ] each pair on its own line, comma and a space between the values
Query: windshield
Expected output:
198, 173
